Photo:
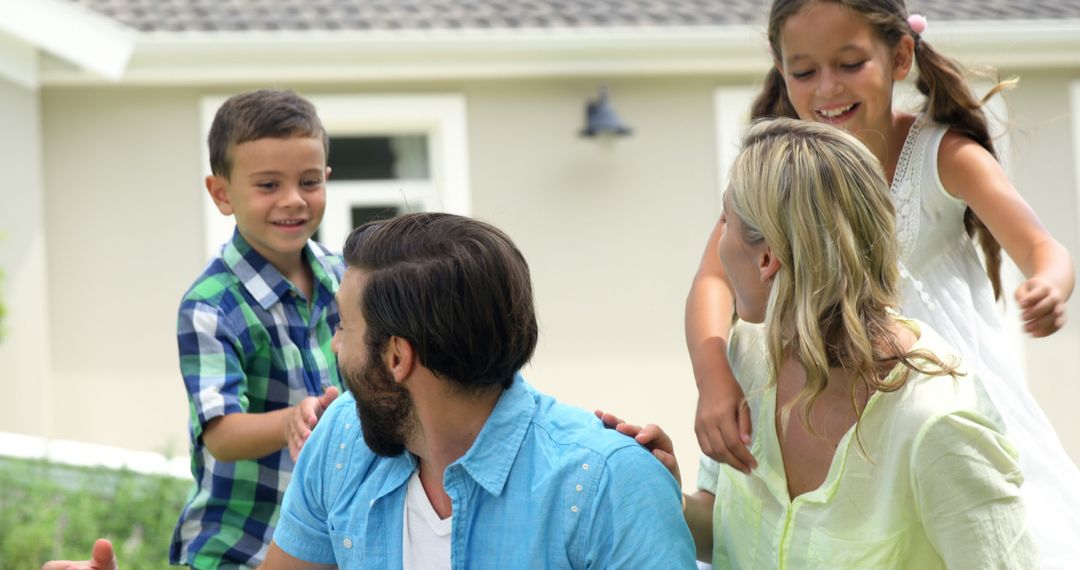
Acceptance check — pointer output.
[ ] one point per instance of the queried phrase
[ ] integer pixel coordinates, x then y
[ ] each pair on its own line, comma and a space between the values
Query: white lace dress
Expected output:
946, 287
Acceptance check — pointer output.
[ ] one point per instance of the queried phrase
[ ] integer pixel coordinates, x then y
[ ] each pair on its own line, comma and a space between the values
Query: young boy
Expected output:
254, 330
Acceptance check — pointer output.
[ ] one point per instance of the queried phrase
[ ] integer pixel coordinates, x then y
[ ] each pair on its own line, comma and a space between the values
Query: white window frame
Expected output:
439, 117
1074, 99
732, 114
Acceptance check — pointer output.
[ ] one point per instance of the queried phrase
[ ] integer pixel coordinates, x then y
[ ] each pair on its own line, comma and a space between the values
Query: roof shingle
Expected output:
391, 15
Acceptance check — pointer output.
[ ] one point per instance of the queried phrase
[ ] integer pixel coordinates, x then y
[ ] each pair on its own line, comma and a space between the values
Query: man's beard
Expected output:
386, 409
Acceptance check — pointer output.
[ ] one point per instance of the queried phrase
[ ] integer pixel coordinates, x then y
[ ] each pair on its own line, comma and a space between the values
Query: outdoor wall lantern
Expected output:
601, 119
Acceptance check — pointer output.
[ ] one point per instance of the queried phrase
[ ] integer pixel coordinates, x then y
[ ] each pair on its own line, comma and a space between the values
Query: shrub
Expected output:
50, 511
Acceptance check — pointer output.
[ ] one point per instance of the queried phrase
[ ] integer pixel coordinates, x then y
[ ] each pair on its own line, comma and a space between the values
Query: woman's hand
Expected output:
651, 437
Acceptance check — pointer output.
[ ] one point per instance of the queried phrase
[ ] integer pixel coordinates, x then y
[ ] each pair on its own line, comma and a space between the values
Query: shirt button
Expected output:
339, 466
585, 466
347, 426
573, 509
579, 488
347, 543
342, 446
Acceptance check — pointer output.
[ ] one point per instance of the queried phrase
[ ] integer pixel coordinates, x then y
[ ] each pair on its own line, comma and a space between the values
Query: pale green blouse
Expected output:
937, 488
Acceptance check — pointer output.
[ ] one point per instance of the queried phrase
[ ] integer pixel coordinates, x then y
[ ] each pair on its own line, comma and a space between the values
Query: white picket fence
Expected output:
92, 455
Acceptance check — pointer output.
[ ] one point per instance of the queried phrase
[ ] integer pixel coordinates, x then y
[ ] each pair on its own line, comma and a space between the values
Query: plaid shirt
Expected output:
249, 343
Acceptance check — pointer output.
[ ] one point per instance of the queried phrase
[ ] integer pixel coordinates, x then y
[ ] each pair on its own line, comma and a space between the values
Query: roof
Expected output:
169, 16
84, 39
229, 42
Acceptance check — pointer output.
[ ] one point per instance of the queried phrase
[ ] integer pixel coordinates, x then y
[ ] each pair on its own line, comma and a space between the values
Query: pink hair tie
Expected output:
917, 23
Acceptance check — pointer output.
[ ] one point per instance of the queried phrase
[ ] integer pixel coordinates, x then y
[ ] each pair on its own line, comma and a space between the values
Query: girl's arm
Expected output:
721, 422
971, 174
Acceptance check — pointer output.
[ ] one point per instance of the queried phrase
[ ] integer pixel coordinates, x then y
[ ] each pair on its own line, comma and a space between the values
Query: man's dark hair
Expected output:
455, 288
265, 113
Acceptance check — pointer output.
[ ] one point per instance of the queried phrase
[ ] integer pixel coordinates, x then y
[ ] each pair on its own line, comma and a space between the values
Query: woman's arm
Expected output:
966, 483
699, 517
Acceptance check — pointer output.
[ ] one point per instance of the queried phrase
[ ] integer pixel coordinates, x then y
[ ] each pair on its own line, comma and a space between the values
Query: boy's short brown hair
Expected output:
264, 113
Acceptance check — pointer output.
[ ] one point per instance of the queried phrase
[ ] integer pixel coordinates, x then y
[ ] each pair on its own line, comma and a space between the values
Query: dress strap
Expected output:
905, 191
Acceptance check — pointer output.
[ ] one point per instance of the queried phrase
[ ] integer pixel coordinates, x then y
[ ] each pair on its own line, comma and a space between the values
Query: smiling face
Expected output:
837, 70
743, 264
276, 190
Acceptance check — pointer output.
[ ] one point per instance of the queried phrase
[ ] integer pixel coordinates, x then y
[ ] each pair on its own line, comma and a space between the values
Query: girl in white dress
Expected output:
836, 61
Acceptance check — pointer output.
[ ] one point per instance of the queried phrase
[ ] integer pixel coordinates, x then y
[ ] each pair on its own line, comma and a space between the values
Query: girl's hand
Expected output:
722, 424
651, 437
1042, 306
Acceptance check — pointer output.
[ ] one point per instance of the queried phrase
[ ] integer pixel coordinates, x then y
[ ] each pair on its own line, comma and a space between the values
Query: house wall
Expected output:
125, 229
1042, 163
24, 333
613, 231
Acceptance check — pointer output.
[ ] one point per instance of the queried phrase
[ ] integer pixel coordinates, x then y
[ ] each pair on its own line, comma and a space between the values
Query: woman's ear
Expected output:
400, 358
903, 57
768, 264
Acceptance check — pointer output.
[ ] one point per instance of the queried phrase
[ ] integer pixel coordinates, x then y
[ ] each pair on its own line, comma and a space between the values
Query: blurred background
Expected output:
478, 107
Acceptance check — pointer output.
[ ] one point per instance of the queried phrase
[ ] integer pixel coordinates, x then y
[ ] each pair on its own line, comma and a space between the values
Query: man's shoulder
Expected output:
569, 427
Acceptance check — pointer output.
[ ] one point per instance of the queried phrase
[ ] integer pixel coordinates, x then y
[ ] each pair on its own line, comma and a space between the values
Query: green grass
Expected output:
50, 511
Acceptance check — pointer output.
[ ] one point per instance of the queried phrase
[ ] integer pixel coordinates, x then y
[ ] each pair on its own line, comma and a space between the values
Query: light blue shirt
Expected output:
543, 486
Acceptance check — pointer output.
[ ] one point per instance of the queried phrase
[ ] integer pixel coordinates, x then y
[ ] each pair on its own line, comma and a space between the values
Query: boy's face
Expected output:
277, 192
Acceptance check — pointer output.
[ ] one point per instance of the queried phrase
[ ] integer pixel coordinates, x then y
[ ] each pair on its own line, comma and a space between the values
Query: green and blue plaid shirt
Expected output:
249, 343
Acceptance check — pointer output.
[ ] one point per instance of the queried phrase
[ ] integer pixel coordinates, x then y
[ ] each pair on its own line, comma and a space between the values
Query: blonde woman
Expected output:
875, 448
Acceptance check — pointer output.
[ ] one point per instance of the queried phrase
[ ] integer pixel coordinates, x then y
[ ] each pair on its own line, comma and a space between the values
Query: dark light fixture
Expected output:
601, 118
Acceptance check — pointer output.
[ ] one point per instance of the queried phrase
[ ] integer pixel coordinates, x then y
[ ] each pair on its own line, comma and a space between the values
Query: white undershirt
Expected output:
425, 540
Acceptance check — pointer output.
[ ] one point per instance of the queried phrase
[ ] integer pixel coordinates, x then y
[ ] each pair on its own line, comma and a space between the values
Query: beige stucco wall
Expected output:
24, 348
613, 233
125, 237
1044, 152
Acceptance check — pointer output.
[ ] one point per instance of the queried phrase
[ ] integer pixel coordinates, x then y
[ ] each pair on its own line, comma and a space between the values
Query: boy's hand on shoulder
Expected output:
303, 417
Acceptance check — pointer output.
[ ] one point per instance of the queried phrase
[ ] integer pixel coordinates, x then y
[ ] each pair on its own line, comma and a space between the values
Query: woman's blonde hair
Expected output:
819, 200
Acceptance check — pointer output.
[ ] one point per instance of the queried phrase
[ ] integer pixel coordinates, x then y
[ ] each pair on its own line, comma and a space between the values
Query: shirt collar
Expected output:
491, 456
263, 281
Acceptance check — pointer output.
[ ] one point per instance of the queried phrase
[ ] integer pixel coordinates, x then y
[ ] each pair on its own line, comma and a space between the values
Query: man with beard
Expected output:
449, 459
456, 461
